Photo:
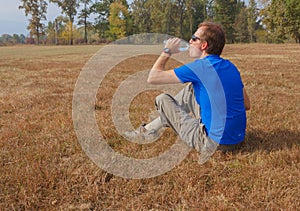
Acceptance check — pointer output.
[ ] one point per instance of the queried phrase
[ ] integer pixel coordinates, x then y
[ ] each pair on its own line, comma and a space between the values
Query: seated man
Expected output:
211, 110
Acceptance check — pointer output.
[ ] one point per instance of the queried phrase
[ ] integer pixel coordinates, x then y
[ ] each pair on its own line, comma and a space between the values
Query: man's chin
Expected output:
193, 55
194, 52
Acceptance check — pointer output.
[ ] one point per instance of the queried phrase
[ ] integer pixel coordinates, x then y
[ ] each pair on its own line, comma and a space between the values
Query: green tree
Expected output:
225, 13
181, 16
199, 12
37, 10
174, 17
252, 16
157, 15
101, 9
154, 16
241, 33
141, 16
293, 17
117, 20
22, 38
83, 17
160, 15
69, 7
275, 20
16, 39
55, 30
51, 33
6, 39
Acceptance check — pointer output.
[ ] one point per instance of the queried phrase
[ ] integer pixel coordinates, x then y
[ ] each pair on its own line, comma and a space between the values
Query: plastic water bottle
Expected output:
183, 45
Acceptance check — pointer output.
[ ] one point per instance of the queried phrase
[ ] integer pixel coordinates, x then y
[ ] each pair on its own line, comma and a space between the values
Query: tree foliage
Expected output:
69, 7
83, 17
37, 10
275, 20
252, 20
225, 13
117, 20
259, 20
241, 33
102, 10
140, 16
293, 17
7, 39
282, 20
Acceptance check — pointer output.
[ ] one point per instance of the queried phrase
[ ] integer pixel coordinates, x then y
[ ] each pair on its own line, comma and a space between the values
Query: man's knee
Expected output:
161, 99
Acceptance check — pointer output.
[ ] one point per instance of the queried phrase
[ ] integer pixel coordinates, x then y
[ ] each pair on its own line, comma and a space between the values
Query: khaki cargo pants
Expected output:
182, 114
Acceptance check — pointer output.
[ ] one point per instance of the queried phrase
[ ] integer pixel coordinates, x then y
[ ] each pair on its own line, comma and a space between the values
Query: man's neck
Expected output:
204, 54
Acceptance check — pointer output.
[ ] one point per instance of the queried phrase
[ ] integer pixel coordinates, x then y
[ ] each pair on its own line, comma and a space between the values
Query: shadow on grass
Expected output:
258, 140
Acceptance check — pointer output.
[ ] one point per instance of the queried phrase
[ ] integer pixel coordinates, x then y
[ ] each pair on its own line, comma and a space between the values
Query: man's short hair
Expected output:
214, 35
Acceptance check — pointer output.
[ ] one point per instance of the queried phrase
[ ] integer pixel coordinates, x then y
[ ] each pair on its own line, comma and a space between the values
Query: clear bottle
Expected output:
183, 46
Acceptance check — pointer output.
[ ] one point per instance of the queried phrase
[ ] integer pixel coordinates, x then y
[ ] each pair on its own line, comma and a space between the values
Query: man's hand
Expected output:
173, 45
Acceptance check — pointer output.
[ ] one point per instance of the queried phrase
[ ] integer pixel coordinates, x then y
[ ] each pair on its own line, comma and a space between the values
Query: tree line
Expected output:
257, 21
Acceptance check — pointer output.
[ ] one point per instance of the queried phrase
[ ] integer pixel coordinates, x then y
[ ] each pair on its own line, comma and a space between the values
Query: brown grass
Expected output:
42, 166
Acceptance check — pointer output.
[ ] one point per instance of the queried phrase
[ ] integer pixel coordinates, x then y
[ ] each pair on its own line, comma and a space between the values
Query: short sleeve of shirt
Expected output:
185, 73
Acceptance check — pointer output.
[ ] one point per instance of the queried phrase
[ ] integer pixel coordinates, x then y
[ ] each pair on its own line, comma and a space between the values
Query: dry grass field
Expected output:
42, 165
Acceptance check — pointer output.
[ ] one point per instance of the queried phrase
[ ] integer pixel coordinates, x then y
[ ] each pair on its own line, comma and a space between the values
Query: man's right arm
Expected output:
246, 100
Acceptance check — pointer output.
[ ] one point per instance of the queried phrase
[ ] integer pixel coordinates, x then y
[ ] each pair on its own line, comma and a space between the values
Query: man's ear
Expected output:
204, 45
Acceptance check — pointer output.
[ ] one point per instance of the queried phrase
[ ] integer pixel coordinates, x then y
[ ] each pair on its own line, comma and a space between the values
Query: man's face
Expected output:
197, 45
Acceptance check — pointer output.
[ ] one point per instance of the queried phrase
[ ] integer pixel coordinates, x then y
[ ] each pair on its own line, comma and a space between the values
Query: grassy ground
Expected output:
42, 165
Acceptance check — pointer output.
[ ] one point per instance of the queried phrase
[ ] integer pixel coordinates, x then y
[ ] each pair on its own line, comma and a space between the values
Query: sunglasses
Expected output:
195, 38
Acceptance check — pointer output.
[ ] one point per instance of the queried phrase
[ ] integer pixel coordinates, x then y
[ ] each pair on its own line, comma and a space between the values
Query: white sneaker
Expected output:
142, 133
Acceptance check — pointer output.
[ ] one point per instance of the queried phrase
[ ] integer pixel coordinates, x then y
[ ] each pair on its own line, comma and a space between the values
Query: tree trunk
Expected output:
56, 32
85, 31
85, 26
37, 36
71, 32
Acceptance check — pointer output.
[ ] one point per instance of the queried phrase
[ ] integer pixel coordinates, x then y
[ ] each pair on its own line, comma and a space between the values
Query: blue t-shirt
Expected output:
218, 90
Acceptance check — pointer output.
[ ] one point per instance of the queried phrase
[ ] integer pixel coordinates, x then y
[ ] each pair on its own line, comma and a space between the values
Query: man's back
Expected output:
219, 89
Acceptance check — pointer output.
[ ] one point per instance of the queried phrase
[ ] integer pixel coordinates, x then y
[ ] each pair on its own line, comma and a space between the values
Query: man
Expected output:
215, 89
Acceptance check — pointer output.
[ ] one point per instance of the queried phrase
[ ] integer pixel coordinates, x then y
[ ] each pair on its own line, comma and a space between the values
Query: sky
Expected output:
14, 21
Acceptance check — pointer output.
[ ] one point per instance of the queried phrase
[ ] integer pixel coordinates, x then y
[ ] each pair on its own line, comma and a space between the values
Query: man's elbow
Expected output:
153, 80
246, 100
247, 106
150, 80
